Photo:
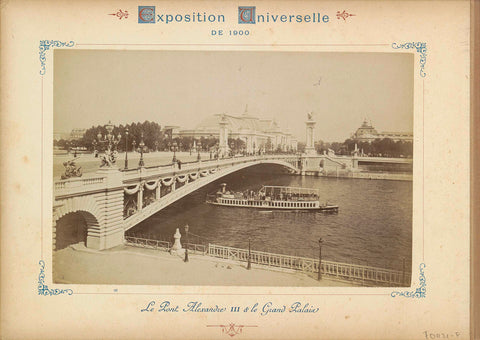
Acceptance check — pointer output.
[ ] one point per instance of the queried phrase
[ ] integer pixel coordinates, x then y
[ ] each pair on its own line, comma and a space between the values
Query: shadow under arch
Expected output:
73, 228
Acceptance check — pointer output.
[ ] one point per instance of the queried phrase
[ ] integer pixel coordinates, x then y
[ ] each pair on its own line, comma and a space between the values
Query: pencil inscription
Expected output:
437, 335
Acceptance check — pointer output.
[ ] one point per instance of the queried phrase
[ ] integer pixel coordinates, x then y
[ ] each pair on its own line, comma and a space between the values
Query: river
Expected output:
373, 226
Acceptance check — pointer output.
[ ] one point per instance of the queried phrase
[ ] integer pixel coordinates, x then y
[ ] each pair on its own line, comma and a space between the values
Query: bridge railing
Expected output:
205, 164
78, 183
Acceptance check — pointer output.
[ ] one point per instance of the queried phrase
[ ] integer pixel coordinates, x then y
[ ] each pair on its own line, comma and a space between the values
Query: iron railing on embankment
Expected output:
341, 271
163, 245
358, 274
147, 243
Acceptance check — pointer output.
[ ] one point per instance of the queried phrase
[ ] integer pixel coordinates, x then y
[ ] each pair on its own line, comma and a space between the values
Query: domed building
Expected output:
367, 133
259, 135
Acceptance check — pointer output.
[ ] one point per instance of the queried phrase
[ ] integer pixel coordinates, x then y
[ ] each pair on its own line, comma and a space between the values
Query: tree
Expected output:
301, 147
269, 145
151, 134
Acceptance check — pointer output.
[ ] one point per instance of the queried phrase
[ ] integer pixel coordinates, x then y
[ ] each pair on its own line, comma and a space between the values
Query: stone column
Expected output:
223, 142
310, 142
304, 166
109, 231
248, 144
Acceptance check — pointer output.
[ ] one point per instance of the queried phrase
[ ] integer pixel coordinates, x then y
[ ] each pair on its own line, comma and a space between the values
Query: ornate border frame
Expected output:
421, 48
45, 45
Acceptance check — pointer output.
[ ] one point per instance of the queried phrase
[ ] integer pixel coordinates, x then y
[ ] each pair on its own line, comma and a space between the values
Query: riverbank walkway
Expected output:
136, 266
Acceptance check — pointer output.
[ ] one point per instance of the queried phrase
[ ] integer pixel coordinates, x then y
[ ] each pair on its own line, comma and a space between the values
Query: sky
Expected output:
181, 88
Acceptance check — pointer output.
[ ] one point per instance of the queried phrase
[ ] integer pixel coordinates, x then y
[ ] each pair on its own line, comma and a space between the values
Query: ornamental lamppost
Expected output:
186, 243
249, 263
126, 148
320, 241
199, 146
141, 145
174, 149
111, 143
95, 152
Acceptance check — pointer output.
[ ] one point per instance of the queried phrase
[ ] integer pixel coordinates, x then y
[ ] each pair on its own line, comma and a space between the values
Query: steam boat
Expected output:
272, 198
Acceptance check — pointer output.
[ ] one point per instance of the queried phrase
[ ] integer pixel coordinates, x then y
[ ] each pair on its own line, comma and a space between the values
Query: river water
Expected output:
373, 226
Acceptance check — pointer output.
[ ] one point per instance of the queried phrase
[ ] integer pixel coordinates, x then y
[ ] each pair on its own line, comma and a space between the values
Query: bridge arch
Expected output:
73, 228
74, 220
293, 165
183, 191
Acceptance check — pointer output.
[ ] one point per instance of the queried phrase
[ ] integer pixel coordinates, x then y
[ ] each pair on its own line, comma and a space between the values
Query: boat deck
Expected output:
272, 198
269, 204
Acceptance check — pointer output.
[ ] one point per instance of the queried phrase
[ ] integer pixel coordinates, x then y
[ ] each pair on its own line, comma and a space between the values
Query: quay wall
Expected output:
351, 167
362, 175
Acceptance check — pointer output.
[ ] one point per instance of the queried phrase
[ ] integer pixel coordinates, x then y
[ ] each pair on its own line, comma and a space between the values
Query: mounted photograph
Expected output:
232, 168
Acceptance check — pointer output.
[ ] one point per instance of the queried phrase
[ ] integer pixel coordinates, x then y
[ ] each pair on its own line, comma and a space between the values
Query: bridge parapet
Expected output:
79, 185
174, 169
99, 181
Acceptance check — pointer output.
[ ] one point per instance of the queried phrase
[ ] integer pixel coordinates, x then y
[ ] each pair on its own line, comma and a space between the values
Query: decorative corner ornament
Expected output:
43, 289
420, 292
344, 15
421, 48
45, 46
120, 14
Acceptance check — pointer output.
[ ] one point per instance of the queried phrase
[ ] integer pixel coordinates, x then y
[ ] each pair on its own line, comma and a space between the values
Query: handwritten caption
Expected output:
198, 307
435, 335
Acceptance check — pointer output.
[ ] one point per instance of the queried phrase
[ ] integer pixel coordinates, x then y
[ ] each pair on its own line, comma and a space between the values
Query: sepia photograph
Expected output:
216, 170
232, 168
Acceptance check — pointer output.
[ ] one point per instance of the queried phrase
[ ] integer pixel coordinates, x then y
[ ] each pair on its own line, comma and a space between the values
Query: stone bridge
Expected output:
99, 209
103, 206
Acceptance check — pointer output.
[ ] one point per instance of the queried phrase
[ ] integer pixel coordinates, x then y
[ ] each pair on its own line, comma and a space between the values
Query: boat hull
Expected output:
275, 205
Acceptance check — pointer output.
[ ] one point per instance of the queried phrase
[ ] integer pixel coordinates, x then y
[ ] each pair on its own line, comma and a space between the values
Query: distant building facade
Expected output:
77, 134
259, 135
367, 133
